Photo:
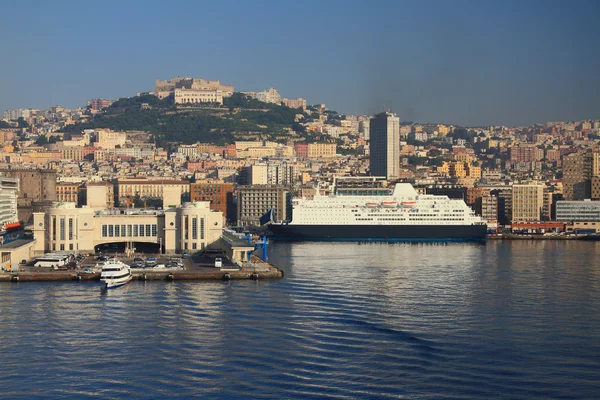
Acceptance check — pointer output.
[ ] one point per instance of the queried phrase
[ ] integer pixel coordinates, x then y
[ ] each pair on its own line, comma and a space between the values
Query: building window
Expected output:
104, 231
135, 230
111, 231
194, 228
117, 230
129, 231
185, 228
62, 229
148, 232
142, 230
70, 246
53, 228
194, 246
123, 230
62, 247
154, 230
71, 229
202, 228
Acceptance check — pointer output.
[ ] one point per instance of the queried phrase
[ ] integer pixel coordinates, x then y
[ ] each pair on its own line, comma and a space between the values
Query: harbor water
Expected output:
509, 319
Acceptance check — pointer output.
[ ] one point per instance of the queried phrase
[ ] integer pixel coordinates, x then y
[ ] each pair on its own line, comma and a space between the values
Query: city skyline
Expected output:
463, 63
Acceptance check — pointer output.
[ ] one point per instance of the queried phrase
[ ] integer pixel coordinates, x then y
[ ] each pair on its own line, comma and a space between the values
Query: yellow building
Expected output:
457, 170
143, 189
527, 202
67, 192
108, 139
322, 150
72, 153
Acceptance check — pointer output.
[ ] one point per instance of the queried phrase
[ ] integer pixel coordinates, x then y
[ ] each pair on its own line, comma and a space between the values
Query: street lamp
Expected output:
160, 245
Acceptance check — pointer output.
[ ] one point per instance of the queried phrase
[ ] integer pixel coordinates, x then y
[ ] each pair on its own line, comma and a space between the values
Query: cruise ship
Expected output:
404, 215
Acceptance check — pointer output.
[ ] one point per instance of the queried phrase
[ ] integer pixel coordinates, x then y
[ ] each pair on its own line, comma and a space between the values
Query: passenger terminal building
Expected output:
64, 227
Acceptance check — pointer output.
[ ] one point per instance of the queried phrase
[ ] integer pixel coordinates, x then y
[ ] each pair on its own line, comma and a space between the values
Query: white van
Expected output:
218, 263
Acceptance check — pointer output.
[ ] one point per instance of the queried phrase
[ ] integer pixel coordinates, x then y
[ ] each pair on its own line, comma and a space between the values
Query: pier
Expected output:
142, 275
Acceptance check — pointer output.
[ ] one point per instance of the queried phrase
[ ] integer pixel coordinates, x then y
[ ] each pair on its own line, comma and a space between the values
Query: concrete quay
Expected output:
513, 236
141, 275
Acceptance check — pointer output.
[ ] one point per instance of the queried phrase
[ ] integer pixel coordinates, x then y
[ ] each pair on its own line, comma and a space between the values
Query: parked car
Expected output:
88, 270
138, 260
184, 255
102, 258
151, 261
137, 264
174, 264
159, 266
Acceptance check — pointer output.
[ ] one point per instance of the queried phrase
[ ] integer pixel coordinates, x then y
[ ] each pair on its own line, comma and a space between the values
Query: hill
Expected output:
240, 118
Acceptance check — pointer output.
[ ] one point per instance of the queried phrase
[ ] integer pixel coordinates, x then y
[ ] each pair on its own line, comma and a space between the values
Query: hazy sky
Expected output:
461, 62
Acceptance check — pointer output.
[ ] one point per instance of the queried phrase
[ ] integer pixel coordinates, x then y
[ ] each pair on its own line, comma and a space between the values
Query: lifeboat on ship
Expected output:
371, 204
389, 204
409, 204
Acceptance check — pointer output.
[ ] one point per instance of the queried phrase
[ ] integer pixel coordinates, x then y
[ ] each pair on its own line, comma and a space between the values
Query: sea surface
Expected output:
505, 320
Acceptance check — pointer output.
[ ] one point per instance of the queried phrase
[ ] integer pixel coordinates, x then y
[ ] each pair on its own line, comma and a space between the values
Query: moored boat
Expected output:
115, 273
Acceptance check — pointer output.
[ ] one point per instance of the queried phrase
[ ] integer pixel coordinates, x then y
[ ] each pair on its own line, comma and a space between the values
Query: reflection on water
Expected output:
502, 320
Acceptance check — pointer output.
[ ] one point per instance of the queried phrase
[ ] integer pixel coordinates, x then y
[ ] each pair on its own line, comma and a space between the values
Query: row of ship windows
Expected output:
409, 219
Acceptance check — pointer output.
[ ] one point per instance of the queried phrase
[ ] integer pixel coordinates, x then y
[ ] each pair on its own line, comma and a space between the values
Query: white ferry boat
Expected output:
115, 273
404, 215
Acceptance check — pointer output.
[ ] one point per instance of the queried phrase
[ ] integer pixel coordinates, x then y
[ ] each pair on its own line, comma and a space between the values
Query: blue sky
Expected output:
461, 62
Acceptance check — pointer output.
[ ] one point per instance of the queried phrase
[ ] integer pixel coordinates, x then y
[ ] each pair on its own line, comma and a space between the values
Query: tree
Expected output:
42, 140
4, 125
21, 123
52, 139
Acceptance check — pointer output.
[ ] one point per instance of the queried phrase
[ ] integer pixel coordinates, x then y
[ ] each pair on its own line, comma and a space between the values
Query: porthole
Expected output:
172, 223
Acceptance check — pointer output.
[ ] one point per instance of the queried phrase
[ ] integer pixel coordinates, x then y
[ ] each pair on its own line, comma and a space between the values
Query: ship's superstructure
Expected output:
404, 214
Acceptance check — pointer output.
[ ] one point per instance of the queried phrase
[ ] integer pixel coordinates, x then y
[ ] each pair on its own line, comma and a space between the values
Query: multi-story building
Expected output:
218, 193
257, 174
99, 104
255, 201
487, 207
595, 195
504, 205
64, 227
67, 192
108, 139
100, 195
527, 202
475, 193
189, 150
384, 130
301, 150
578, 170
526, 153
73, 153
577, 210
171, 192
13, 115
9, 216
298, 103
197, 96
321, 150
270, 95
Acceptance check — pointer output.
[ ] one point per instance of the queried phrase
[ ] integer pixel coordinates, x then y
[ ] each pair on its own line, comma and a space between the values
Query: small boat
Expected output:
389, 204
115, 273
371, 204
409, 204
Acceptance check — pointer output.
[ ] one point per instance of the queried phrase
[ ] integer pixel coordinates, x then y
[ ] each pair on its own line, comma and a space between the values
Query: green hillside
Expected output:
239, 118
